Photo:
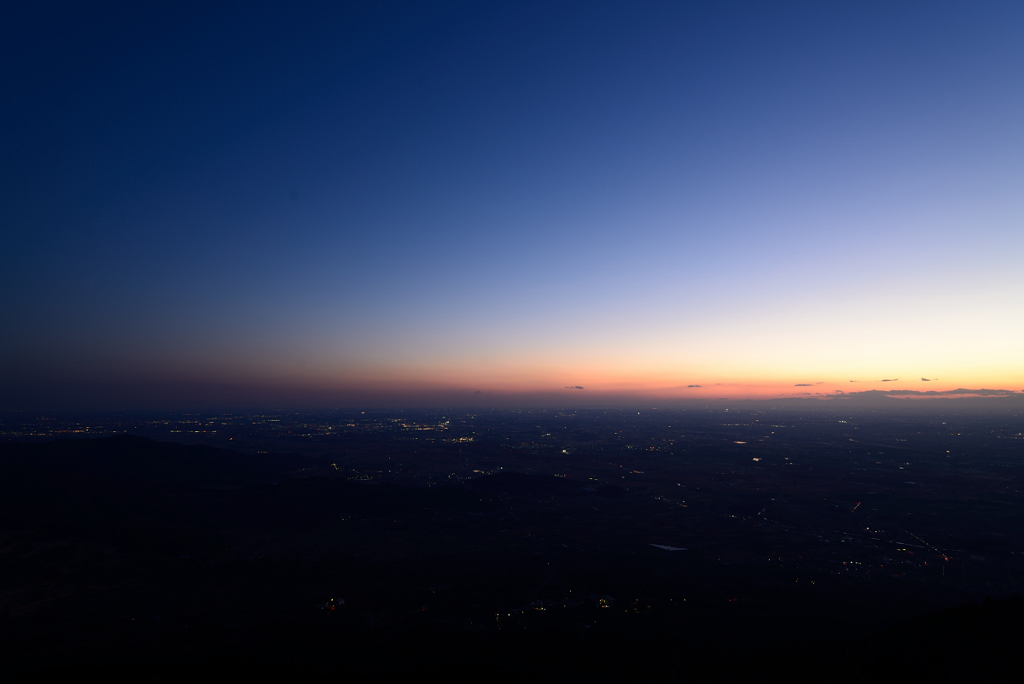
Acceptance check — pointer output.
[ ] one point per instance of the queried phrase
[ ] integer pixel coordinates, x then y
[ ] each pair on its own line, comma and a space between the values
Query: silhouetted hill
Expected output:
135, 494
125, 458
138, 494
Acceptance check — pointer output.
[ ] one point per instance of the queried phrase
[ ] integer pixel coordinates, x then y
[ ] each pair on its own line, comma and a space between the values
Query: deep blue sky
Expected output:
511, 197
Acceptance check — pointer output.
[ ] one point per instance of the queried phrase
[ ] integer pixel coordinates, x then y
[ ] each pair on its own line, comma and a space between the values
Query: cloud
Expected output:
477, 392
960, 392
693, 385
855, 381
928, 379
573, 387
804, 384
889, 379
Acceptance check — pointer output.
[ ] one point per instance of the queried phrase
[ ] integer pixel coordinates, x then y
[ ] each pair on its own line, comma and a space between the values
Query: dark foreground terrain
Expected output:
512, 546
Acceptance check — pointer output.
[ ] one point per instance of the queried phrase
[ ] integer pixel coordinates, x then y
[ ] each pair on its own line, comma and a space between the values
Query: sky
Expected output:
435, 203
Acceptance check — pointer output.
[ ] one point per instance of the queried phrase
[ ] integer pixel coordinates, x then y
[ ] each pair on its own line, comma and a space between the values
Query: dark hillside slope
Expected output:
125, 458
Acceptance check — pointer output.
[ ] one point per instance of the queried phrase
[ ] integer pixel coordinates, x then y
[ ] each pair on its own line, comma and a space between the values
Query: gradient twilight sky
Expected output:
415, 202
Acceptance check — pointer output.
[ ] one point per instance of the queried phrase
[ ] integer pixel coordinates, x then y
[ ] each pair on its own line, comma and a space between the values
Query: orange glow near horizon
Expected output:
612, 386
